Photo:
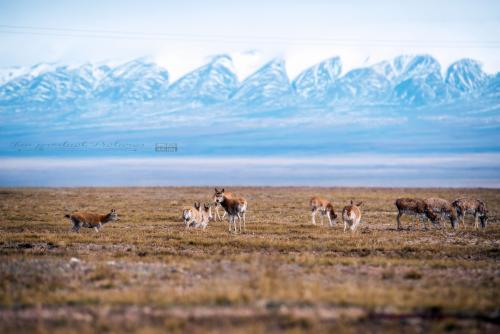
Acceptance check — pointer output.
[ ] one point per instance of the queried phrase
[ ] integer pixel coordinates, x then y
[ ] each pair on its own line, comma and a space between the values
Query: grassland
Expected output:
148, 274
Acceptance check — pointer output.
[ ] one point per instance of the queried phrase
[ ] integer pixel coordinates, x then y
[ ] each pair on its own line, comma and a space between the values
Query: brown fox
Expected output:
91, 220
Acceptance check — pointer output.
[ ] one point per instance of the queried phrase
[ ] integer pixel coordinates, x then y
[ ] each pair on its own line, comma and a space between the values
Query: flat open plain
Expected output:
148, 274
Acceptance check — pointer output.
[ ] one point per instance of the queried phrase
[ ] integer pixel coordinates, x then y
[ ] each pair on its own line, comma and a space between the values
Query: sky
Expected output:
182, 35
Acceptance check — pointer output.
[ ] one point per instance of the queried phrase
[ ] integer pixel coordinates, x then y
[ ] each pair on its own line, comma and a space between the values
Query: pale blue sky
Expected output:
181, 34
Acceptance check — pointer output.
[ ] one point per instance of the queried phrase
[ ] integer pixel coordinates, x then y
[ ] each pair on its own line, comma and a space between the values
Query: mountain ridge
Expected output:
407, 80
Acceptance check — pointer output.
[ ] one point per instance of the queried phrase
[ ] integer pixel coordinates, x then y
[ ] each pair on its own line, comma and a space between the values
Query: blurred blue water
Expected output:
463, 170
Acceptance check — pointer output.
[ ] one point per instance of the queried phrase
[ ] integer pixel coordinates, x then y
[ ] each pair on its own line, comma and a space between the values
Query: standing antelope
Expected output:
91, 220
473, 207
206, 215
325, 207
415, 207
443, 208
235, 207
351, 215
217, 206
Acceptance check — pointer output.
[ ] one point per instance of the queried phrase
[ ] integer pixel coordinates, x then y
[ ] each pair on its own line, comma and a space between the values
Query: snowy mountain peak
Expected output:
418, 80
9, 73
406, 67
269, 86
40, 68
274, 69
314, 82
222, 60
135, 68
363, 85
138, 80
275, 65
465, 76
211, 83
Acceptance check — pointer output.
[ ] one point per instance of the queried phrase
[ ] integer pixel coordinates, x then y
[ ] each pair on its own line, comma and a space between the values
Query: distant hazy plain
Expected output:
461, 170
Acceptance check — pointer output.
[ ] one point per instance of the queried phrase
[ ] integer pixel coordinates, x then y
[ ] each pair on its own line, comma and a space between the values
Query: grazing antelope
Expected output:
325, 207
415, 207
443, 208
91, 220
217, 206
473, 207
235, 207
192, 215
351, 215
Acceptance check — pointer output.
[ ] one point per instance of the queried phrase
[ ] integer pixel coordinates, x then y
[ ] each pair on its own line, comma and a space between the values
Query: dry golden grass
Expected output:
147, 273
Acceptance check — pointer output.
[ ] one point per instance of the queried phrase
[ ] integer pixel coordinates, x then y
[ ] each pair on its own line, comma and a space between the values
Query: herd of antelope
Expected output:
235, 207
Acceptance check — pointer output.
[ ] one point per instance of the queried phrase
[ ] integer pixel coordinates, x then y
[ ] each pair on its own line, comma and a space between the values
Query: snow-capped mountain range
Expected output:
411, 81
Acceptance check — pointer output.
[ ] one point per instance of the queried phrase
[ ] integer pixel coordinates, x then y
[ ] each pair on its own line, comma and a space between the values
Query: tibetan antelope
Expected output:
351, 215
235, 207
415, 207
198, 215
325, 208
217, 206
444, 209
473, 207
192, 215
91, 220
206, 215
